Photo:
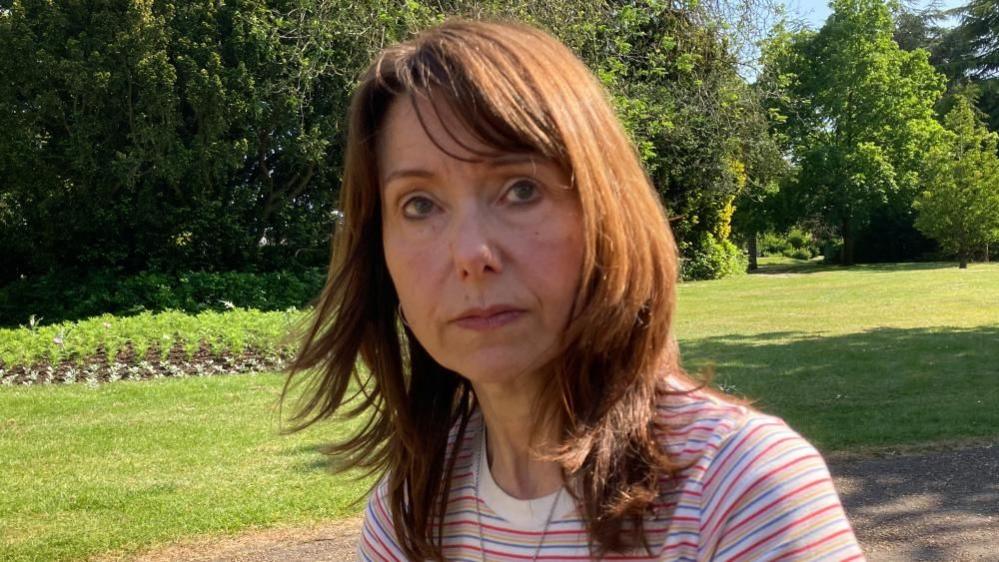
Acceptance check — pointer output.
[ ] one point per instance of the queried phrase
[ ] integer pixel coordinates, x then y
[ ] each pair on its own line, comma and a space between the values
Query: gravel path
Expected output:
940, 505
324, 543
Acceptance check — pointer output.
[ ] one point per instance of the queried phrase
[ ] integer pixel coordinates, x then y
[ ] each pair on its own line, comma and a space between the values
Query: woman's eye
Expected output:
418, 207
522, 191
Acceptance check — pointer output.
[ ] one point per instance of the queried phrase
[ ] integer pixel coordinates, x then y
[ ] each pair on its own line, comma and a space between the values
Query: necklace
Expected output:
478, 512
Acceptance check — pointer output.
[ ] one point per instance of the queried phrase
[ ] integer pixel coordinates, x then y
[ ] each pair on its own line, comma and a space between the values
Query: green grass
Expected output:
865, 356
783, 263
129, 465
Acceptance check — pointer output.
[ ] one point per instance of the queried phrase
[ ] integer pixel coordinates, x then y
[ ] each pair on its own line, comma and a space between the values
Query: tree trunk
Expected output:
753, 264
986, 252
846, 255
963, 256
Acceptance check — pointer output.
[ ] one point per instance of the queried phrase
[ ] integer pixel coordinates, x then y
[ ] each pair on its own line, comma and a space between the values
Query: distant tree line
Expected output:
176, 136
170, 136
876, 115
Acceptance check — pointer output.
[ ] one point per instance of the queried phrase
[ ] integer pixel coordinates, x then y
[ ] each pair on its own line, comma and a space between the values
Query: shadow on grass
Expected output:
884, 386
910, 266
315, 457
311, 457
803, 267
797, 266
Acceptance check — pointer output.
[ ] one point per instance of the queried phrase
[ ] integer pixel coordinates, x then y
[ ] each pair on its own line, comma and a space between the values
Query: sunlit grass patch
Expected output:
130, 465
869, 355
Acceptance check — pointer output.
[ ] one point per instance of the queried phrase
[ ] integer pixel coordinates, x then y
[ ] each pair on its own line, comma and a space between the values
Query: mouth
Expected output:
491, 318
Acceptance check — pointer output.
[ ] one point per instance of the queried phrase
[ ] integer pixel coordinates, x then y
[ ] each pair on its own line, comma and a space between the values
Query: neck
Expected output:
508, 413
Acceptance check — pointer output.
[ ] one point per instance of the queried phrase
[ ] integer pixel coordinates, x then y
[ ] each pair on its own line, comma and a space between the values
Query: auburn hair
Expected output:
518, 89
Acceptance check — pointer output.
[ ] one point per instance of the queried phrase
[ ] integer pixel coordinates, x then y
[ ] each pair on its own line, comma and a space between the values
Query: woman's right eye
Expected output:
418, 207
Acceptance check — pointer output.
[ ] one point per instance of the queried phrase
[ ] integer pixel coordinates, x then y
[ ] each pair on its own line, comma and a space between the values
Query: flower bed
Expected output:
147, 346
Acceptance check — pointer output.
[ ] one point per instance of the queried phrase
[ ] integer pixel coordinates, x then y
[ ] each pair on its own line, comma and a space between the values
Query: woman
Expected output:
506, 274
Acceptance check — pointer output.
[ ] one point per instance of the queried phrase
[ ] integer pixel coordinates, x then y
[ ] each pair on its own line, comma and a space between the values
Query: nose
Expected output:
473, 247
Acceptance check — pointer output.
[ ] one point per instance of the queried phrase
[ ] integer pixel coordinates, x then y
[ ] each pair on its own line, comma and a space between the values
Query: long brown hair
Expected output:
517, 89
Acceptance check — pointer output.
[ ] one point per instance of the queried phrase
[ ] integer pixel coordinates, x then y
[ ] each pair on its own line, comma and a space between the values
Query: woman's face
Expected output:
486, 255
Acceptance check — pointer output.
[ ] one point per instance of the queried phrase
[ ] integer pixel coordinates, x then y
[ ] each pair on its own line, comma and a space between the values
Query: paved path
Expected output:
941, 505
325, 543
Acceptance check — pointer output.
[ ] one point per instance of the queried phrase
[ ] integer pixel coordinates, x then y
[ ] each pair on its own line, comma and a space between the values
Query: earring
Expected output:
403, 317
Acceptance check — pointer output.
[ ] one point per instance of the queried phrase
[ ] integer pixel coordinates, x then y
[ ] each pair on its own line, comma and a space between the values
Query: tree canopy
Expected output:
959, 206
855, 115
967, 53
976, 39
171, 136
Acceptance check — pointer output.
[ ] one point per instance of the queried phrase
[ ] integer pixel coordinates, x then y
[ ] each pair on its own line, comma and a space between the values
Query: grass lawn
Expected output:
124, 466
865, 356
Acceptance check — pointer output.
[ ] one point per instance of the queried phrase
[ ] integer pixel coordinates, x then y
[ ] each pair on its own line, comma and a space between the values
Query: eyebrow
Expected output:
498, 162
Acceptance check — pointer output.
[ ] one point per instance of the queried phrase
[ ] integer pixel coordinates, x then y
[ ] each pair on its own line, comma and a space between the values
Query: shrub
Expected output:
801, 254
712, 259
797, 244
831, 251
799, 239
772, 244
61, 297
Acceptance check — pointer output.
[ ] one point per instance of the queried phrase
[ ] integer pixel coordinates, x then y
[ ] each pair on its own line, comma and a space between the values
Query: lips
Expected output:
490, 318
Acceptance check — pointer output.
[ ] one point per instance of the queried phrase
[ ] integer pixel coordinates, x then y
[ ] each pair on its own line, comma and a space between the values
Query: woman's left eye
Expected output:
522, 191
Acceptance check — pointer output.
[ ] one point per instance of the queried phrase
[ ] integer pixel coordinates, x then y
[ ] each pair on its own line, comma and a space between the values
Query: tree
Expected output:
968, 53
960, 205
173, 135
167, 135
764, 204
978, 35
918, 29
856, 115
176, 135
672, 68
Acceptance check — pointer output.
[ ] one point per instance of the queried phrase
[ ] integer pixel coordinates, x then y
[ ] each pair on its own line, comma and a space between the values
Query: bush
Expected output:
772, 244
58, 298
891, 237
800, 240
711, 259
797, 243
801, 254
832, 250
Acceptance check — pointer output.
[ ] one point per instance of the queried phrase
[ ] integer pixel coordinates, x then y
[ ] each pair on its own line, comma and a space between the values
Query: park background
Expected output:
170, 174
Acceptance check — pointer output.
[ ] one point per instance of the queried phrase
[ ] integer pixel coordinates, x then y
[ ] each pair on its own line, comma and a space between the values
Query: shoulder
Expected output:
759, 489
378, 540
767, 493
692, 422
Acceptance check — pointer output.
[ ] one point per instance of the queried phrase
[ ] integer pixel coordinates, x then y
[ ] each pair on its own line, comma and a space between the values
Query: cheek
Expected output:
555, 259
410, 266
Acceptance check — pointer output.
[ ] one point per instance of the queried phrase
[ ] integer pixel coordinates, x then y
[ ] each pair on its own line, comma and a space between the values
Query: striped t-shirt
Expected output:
754, 490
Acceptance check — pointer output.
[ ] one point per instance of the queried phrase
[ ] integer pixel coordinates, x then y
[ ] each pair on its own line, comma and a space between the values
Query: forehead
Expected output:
416, 129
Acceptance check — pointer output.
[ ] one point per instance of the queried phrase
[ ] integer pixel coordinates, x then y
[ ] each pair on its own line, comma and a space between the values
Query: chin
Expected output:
489, 371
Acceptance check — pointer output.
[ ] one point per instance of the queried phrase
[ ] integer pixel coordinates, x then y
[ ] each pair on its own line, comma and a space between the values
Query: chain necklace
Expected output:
478, 512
